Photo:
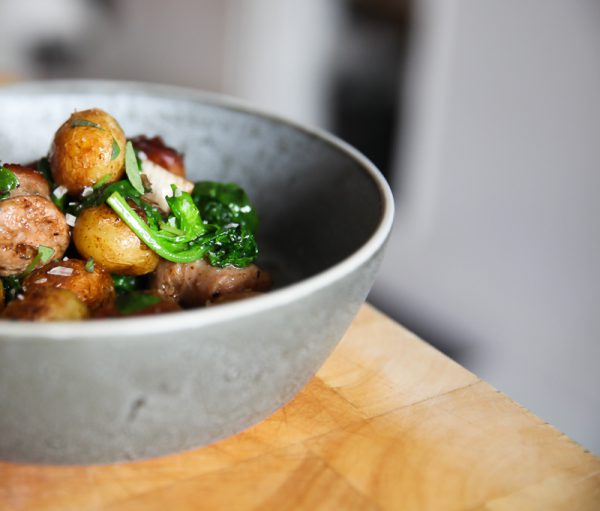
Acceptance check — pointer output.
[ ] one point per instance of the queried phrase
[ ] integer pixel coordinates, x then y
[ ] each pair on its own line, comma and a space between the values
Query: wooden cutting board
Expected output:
388, 423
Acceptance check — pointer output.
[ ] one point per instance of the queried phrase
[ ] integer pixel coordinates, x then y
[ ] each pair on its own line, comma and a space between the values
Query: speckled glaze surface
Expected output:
112, 390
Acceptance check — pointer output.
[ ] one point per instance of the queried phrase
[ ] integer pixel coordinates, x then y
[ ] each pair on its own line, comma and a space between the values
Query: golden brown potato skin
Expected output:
94, 288
81, 156
26, 222
101, 234
46, 304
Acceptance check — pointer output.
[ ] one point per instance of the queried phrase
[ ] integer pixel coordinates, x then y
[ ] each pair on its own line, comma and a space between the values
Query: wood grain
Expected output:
387, 423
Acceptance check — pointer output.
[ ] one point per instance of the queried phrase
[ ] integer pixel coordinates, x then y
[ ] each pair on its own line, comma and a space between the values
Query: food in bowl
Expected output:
109, 390
114, 225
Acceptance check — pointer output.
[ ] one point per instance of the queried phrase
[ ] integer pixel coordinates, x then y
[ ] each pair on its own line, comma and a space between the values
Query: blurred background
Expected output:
483, 115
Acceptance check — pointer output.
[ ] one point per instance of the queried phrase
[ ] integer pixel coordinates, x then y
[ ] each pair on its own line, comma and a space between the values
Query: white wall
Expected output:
497, 240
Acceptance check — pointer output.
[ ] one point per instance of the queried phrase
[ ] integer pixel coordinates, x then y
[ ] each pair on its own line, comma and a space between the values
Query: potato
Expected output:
1, 296
101, 234
84, 150
47, 304
94, 288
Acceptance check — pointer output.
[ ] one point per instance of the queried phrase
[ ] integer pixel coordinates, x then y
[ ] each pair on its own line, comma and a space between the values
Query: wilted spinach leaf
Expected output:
223, 204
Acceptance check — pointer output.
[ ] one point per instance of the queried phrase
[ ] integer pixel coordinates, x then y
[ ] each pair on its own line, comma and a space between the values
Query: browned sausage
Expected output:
195, 284
95, 288
31, 182
26, 222
158, 152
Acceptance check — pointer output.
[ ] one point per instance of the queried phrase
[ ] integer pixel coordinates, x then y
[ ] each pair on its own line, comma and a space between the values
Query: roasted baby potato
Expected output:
101, 234
92, 284
46, 304
87, 148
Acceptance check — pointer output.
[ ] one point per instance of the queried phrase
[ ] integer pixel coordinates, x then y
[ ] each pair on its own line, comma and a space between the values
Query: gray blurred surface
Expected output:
497, 238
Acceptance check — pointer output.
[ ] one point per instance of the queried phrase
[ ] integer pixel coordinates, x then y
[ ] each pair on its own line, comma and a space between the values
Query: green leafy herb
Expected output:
85, 123
223, 204
102, 192
125, 283
12, 286
186, 213
164, 244
8, 182
44, 255
116, 150
89, 265
136, 301
132, 168
101, 182
235, 246
184, 238
43, 166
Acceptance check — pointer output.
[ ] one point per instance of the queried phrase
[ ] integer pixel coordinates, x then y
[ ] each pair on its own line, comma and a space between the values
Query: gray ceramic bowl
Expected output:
110, 390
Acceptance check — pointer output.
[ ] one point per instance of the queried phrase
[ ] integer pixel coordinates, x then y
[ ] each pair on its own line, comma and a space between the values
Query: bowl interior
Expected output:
317, 204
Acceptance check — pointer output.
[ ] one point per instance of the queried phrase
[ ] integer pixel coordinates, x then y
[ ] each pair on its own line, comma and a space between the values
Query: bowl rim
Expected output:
194, 318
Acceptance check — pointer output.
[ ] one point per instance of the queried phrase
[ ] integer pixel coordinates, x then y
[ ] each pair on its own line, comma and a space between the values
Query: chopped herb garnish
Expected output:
8, 182
116, 150
89, 265
44, 255
101, 181
125, 283
135, 301
43, 166
132, 168
12, 286
75, 123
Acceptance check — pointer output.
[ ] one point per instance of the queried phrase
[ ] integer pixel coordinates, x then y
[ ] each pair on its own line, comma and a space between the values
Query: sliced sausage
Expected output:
195, 284
26, 222
160, 153
31, 182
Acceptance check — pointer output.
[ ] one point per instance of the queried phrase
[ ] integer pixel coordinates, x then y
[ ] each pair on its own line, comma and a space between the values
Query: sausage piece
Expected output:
31, 182
160, 153
195, 284
26, 222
